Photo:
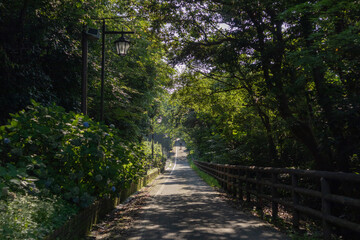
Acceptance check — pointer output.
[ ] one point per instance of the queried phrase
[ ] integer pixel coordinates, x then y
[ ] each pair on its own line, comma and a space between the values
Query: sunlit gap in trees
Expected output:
224, 26
180, 69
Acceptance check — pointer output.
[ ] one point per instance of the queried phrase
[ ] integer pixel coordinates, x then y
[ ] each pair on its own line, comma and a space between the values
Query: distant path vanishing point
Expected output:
185, 207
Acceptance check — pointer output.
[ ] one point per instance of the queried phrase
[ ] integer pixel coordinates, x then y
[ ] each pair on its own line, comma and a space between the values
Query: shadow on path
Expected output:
184, 207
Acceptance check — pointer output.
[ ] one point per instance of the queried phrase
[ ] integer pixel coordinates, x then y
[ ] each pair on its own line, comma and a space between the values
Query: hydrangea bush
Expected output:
45, 150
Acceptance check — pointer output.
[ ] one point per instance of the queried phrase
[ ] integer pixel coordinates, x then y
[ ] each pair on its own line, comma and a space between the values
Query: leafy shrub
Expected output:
45, 150
29, 217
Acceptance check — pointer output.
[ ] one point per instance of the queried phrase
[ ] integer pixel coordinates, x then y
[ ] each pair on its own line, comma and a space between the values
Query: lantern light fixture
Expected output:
122, 45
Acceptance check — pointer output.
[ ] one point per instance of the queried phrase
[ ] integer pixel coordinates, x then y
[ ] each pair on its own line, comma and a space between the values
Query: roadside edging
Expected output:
80, 225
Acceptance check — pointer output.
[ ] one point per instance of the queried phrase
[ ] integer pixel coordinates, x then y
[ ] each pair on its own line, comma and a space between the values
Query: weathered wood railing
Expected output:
317, 194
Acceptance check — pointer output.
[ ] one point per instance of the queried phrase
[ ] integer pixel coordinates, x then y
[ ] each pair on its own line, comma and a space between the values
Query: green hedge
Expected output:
47, 153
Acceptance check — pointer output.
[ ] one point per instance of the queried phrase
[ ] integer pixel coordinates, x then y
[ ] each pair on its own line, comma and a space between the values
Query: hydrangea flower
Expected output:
106, 134
113, 188
86, 124
6, 140
112, 126
98, 178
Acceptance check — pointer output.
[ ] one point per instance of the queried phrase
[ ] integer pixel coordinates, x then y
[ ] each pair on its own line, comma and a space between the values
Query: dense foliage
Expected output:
47, 152
62, 160
67, 153
40, 55
32, 217
50, 155
269, 83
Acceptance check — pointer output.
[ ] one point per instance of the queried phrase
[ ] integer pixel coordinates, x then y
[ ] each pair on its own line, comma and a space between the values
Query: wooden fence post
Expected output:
295, 198
239, 185
247, 186
228, 179
222, 177
231, 181
325, 208
259, 204
234, 182
218, 174
274, 196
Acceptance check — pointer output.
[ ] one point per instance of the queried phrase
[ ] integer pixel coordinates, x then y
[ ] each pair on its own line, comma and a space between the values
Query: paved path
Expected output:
184, 207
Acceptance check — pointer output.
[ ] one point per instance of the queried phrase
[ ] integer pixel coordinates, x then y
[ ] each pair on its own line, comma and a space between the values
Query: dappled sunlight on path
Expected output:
184, 207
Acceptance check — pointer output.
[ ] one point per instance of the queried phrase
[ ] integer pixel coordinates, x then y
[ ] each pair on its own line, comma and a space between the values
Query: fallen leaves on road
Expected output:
117, 223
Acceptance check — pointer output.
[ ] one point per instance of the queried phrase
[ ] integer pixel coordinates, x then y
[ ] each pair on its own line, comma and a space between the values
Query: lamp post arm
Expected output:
118, 32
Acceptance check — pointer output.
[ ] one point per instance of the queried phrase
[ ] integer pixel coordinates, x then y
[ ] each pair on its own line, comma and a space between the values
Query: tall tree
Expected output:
41, 60
295, 46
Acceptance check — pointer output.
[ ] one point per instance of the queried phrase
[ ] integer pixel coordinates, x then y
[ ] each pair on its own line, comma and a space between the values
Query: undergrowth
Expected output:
31, 217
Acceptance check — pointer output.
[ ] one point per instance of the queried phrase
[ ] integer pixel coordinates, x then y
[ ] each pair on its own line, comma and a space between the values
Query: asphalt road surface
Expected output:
185, 207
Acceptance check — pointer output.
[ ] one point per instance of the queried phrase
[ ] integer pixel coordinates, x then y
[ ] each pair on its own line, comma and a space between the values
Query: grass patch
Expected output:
207, 178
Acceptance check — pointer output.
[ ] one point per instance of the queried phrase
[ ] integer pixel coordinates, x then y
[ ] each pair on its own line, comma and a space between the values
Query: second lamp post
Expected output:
122, 47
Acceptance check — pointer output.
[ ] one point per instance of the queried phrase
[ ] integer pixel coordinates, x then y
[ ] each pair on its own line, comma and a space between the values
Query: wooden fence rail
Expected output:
331, 192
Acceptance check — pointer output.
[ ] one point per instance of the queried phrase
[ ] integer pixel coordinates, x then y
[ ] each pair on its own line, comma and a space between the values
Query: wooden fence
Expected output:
332, 197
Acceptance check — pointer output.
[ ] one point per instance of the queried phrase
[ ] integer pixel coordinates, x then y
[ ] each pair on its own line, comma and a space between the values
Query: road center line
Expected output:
175, 161
163, 185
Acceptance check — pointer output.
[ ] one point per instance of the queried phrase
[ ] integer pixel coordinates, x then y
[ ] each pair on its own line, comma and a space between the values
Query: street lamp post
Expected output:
122, 47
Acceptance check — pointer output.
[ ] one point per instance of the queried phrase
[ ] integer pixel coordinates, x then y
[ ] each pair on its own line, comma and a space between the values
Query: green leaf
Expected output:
15, 181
